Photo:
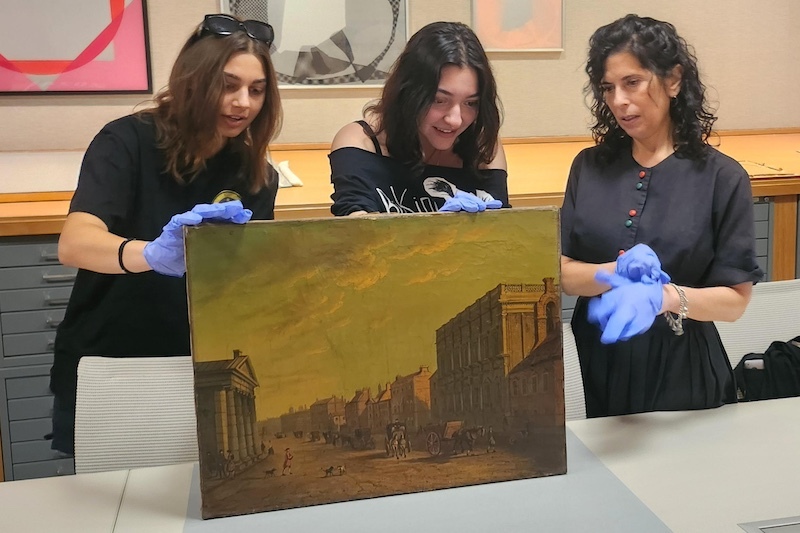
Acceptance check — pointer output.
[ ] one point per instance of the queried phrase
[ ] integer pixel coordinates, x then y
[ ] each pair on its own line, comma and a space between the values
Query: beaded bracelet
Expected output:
676, 322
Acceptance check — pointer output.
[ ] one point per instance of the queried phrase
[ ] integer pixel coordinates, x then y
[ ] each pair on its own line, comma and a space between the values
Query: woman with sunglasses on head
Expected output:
197, 155
657, 230
430, 143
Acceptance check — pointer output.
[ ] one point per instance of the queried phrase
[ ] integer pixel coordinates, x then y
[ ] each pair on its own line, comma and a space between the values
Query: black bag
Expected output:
780, 377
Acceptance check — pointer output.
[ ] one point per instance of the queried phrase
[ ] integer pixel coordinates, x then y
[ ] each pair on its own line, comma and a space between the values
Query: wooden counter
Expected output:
538, 170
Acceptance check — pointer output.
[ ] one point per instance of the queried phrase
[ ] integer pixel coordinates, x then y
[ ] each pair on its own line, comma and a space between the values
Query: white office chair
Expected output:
574, 404
134, 412
772, 315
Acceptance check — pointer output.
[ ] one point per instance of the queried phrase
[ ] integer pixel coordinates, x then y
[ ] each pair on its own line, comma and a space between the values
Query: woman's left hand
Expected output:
466, 201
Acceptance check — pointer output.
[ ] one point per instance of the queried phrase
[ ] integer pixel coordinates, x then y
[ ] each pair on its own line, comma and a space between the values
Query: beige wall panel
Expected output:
746, 52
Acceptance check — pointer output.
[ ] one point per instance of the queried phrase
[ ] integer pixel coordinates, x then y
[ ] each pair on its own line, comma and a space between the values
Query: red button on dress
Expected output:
642, 173
632, 212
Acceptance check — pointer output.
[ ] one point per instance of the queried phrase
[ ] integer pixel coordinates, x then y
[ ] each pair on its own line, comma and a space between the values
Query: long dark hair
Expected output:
186, 110
659, 49
411, 89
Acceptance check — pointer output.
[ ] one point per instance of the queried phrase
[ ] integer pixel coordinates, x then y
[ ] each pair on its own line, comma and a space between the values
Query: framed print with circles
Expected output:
330, 43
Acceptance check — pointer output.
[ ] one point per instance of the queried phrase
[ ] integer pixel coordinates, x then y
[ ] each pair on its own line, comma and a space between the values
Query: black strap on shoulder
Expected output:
371, 134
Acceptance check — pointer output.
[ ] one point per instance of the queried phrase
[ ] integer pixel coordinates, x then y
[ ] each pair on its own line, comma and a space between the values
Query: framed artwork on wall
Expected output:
75, 47
519, 25
330, 43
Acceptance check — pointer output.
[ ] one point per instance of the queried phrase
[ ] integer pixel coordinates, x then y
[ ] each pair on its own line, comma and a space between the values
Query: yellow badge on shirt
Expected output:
226, 196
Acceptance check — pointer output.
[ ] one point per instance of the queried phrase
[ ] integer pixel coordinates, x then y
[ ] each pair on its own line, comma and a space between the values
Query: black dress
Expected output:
698, 217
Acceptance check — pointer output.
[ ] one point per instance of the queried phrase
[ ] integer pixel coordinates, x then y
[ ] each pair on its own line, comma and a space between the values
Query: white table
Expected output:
67, 504
704, 471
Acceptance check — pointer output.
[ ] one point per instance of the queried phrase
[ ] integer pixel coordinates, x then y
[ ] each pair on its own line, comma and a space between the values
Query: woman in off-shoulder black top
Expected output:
375, 183
432, 134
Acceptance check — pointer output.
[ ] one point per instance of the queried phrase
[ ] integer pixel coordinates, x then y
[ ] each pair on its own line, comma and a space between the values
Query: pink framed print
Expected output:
75, 47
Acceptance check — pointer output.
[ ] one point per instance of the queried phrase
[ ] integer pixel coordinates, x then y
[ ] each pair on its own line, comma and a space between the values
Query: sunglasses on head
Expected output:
226, 25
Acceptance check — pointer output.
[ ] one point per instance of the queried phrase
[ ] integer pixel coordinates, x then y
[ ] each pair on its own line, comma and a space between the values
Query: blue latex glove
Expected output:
599, 313
466, 201
628, 309
640, 261
165, 253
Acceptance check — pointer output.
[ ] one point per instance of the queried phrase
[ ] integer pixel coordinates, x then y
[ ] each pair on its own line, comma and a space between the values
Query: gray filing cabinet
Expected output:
34, 290
763, 211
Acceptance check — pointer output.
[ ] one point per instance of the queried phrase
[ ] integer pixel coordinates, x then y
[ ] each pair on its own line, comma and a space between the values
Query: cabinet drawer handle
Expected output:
52, 322
51, 344
55, 278
49, 257
56, 301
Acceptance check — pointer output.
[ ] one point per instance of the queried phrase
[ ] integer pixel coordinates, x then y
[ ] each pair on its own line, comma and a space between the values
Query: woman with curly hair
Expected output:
197, 154
657, 230
431, 141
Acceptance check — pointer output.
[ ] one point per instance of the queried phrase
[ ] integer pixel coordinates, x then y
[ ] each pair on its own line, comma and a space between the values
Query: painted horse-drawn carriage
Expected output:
397, 442
463, 439
360, 439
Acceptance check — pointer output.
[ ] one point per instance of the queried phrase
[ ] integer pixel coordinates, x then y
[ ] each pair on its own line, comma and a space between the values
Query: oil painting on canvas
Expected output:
358, 357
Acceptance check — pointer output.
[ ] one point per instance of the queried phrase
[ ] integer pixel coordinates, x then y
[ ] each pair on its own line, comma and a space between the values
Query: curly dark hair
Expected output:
411, 89
185, 112
659, 49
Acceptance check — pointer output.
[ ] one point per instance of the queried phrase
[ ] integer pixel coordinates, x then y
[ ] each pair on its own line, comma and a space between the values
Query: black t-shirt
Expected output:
122, 181
366, 181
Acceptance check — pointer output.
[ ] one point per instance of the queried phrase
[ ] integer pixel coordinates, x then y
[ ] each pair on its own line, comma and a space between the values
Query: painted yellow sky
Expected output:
324, 307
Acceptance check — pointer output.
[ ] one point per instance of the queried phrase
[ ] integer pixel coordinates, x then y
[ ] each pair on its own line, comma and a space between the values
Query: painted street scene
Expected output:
388, 356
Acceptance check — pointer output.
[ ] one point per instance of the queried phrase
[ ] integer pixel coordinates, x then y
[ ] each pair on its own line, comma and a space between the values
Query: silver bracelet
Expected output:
676, 322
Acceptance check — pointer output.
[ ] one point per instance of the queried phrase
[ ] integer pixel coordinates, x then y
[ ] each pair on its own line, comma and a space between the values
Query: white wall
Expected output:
746, 52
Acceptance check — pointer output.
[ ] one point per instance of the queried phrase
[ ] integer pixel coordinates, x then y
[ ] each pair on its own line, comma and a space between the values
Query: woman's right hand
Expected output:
641, 261
165, 254
628, 309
